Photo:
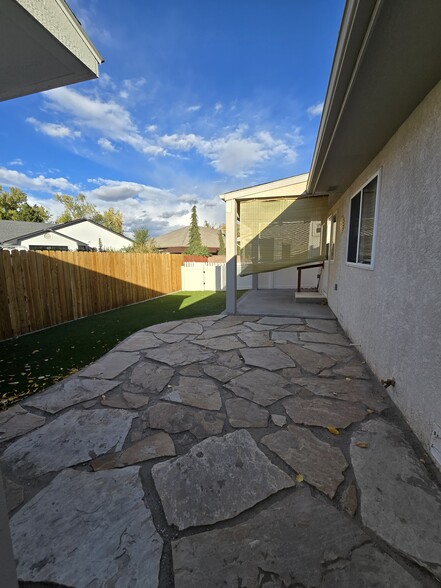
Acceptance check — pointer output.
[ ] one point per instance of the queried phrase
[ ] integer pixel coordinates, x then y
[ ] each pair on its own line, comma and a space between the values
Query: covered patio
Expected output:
250, 451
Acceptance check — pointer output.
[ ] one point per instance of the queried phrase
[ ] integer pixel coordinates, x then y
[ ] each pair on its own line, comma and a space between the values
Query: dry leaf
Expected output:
362, 444
299, 478
333, 430
370, 411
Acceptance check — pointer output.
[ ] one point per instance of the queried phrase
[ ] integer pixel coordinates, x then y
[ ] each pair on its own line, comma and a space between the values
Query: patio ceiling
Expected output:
42, 46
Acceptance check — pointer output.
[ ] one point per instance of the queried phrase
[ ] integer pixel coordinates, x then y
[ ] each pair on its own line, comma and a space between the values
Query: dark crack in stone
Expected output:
309, 360
268, 358
221, 373
216, 480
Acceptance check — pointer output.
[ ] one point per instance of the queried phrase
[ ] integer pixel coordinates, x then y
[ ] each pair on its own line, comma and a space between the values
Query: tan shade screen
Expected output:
281, 232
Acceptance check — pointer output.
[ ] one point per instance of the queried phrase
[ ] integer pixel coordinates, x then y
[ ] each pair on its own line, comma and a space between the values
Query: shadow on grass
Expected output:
33, 362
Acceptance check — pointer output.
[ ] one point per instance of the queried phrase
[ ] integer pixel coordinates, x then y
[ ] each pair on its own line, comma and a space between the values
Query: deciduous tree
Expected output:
143, 243
76, 207
14, 206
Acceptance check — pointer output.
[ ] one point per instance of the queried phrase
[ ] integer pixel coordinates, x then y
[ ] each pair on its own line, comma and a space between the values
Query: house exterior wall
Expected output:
393, 312
48, 239
90, 234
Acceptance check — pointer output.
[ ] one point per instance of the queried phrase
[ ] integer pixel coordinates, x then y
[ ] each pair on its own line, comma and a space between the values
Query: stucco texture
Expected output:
393, 312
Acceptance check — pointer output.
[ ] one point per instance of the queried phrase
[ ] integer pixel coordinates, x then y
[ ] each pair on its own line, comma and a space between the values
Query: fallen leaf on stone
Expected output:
348, 379
362, 444
299, 478
333, 430
370, 411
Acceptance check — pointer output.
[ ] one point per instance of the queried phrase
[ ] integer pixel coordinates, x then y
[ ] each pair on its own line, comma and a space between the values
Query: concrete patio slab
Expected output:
280, 303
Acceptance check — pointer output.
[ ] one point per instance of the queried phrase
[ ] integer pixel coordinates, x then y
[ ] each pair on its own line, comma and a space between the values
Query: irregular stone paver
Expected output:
163, 327
292, 374
158, 445
216, 480
352, 371
320, 464
74, 437
349, 500
192, 370
338, 353
328, 326
284, 336
221, 373
167, 338
279, 420
225, 343
352, 391
221, 331
126, 400
198, 392
14, 494
230, 359
259, 386
398, 500
256, 339
68, 393
333, 339
175, 418
271, 359
284, 545
242, 413
187, 329
151, 377
309, 360
323, 412
17, 421
139, 341
176, 354
280, 320
368, 568
258, 326
111, 365
88, 529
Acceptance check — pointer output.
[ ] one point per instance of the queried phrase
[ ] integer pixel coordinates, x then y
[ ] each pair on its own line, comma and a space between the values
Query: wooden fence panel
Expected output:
41, 289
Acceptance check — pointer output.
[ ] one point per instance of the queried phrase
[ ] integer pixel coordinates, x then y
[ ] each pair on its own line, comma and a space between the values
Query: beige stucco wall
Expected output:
393, 312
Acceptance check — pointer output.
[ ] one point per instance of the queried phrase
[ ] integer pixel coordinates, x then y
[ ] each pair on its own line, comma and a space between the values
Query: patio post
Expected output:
7, 562
231, 251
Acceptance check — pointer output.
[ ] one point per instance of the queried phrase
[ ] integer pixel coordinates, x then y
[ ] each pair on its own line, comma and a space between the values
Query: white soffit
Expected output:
292, 186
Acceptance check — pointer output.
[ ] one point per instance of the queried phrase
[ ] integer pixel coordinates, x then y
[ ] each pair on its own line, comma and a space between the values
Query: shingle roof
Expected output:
179, 238
14, 229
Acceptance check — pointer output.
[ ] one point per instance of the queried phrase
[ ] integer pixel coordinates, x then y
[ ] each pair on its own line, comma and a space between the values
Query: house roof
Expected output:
292, 186
387, 59
46, 48
180, 238
11, 231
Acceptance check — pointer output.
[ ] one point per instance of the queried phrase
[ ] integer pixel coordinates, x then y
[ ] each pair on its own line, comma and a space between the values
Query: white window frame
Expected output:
371, 266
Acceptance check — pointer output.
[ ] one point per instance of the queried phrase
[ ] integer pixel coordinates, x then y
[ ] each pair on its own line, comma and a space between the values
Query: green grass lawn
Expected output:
35, 361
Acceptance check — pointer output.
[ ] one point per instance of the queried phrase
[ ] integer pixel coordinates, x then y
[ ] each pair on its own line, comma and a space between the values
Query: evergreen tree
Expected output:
222, 249
195, 246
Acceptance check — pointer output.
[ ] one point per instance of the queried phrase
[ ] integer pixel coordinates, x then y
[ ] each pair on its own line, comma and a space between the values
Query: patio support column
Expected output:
7, 562
231, 251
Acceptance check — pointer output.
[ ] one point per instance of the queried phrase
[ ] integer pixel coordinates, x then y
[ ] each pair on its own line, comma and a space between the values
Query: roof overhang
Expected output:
292, 186
387, 59
42, 46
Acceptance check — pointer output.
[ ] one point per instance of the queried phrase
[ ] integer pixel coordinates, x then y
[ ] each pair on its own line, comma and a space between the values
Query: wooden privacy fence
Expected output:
40, 289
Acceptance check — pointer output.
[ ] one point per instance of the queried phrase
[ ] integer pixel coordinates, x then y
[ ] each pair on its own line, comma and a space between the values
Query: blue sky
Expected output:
195, 98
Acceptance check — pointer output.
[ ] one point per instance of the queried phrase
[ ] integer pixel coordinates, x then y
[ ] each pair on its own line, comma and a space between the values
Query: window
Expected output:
362, 225
48, 248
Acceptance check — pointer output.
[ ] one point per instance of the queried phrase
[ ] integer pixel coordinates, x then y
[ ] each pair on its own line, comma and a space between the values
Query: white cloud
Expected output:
38, 183
315, 109
151, 128
58, 131
16, 162
194, 108
218, 107
106, 144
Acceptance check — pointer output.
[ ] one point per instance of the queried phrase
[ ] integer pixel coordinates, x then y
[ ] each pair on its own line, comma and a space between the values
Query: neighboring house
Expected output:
177, 241
378, 160
76, 235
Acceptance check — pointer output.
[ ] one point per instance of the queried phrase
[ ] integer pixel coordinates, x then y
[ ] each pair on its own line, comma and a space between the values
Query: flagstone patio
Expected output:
226, 451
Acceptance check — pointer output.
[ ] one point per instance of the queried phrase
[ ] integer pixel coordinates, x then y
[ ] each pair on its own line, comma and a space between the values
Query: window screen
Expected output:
361, 224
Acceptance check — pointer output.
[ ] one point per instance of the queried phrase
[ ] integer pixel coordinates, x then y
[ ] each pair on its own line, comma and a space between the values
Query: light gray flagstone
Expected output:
70, 392
285, 544
259, 386
220, 331
349, 500
17, 421
352, 391
323, 412
167, 338
258, 326
268, 358
158, 445
192, 370
256, 339
242, 413
138, 341
353, 371
198, 392
175, 418
230, 359
125, 400
320, 464
150, 377
216, 480
176, 354
163, 327
74, 437
309, 360
13, 493
398, 500
284, 336
279, 420
88, 529
337, 352
328, 326
187, 329
221, 373
280, 320
333, 339
233, 320
224, 343
111, 365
